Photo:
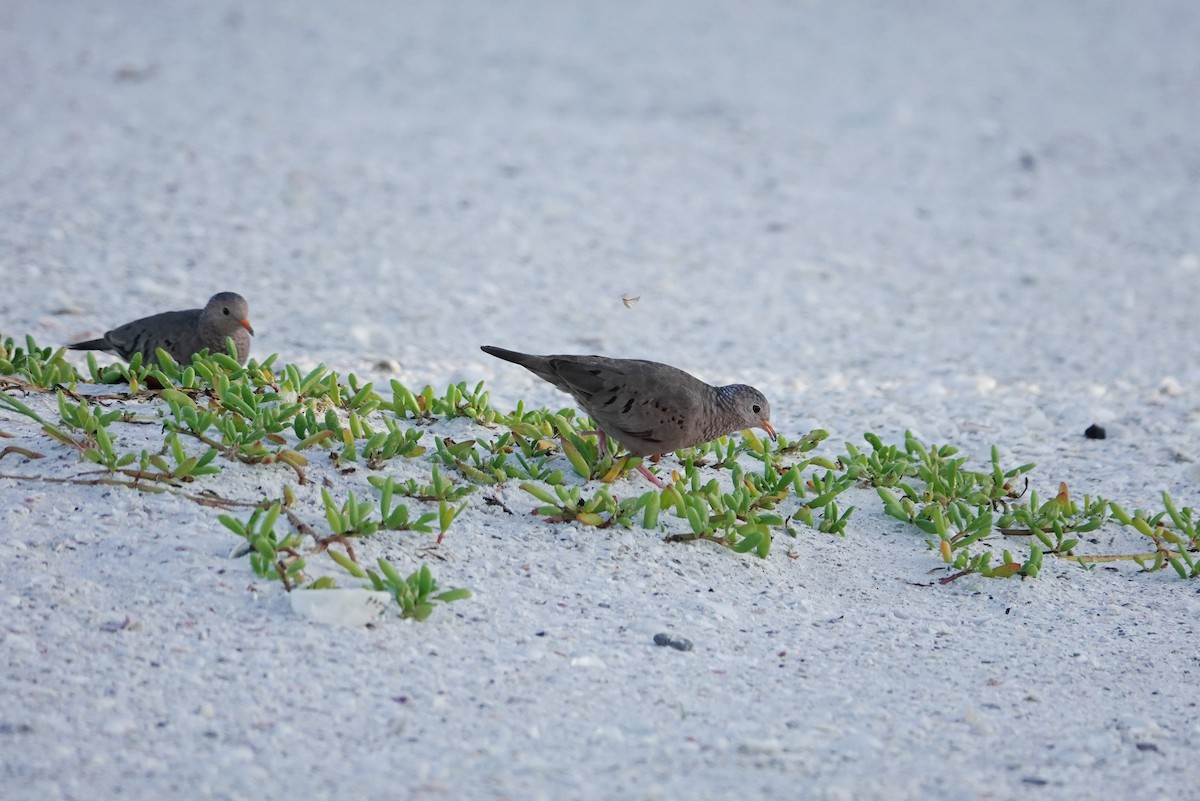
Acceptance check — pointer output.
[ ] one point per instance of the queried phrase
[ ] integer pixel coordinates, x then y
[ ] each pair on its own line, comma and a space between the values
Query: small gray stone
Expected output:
675, 641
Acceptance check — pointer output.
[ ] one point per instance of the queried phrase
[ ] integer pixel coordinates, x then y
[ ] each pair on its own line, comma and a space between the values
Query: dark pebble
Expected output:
678, 643
1095, 432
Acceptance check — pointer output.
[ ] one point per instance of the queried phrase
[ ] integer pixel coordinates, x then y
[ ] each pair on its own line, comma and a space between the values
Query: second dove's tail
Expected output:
523, 359
91, 344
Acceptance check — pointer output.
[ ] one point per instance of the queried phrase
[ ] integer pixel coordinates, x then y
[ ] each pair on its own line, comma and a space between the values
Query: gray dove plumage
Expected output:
650, 408
182, 333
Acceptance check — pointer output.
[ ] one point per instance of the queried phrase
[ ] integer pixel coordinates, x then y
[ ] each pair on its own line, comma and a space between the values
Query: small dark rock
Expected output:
1147, 747
1095, 432
135, 73
678, 643
1036, 781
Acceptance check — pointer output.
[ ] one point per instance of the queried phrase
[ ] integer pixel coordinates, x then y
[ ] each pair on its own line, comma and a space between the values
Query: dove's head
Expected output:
749, 407
226, 312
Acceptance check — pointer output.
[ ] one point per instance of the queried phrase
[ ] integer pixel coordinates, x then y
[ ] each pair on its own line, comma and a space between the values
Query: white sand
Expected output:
978, 221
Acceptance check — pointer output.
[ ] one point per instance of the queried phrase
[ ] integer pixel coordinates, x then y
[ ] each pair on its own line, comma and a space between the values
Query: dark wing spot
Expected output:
617, 388
628, 406
594, 372
610, 401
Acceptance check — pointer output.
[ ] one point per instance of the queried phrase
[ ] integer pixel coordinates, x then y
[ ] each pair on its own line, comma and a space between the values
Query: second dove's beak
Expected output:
766, 424
246, 324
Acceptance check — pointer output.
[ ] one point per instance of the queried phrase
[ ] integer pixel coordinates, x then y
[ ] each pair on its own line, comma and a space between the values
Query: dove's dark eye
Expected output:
756, 408
225, 312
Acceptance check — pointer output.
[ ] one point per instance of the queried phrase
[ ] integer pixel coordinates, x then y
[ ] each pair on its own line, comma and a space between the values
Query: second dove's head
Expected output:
749, 407
228, 311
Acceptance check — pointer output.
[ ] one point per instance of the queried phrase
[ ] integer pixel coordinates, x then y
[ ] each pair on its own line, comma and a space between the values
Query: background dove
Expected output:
182, 333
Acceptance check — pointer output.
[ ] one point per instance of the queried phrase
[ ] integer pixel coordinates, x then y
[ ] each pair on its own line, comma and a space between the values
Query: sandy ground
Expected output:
975, 221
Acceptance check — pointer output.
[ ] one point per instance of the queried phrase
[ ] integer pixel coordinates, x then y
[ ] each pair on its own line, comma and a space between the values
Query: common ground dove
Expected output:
182, 333
651, 408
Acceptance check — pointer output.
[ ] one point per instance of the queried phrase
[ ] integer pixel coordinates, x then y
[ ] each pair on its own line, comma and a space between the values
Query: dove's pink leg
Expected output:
600, 435
653, 478
604, 452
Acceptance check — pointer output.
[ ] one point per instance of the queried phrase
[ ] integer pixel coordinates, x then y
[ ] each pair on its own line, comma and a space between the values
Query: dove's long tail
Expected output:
538, 365
535, 363
91, 344
523, 359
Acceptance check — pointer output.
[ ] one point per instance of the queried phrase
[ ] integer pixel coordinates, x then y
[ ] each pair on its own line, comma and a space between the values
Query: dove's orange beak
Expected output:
246, 324
770, 429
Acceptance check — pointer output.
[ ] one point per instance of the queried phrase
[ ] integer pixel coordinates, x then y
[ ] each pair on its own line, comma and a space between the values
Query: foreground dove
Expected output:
182, 333
650, 408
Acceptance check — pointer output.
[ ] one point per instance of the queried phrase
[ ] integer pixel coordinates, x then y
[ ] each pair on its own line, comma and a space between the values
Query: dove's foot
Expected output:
653, 478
